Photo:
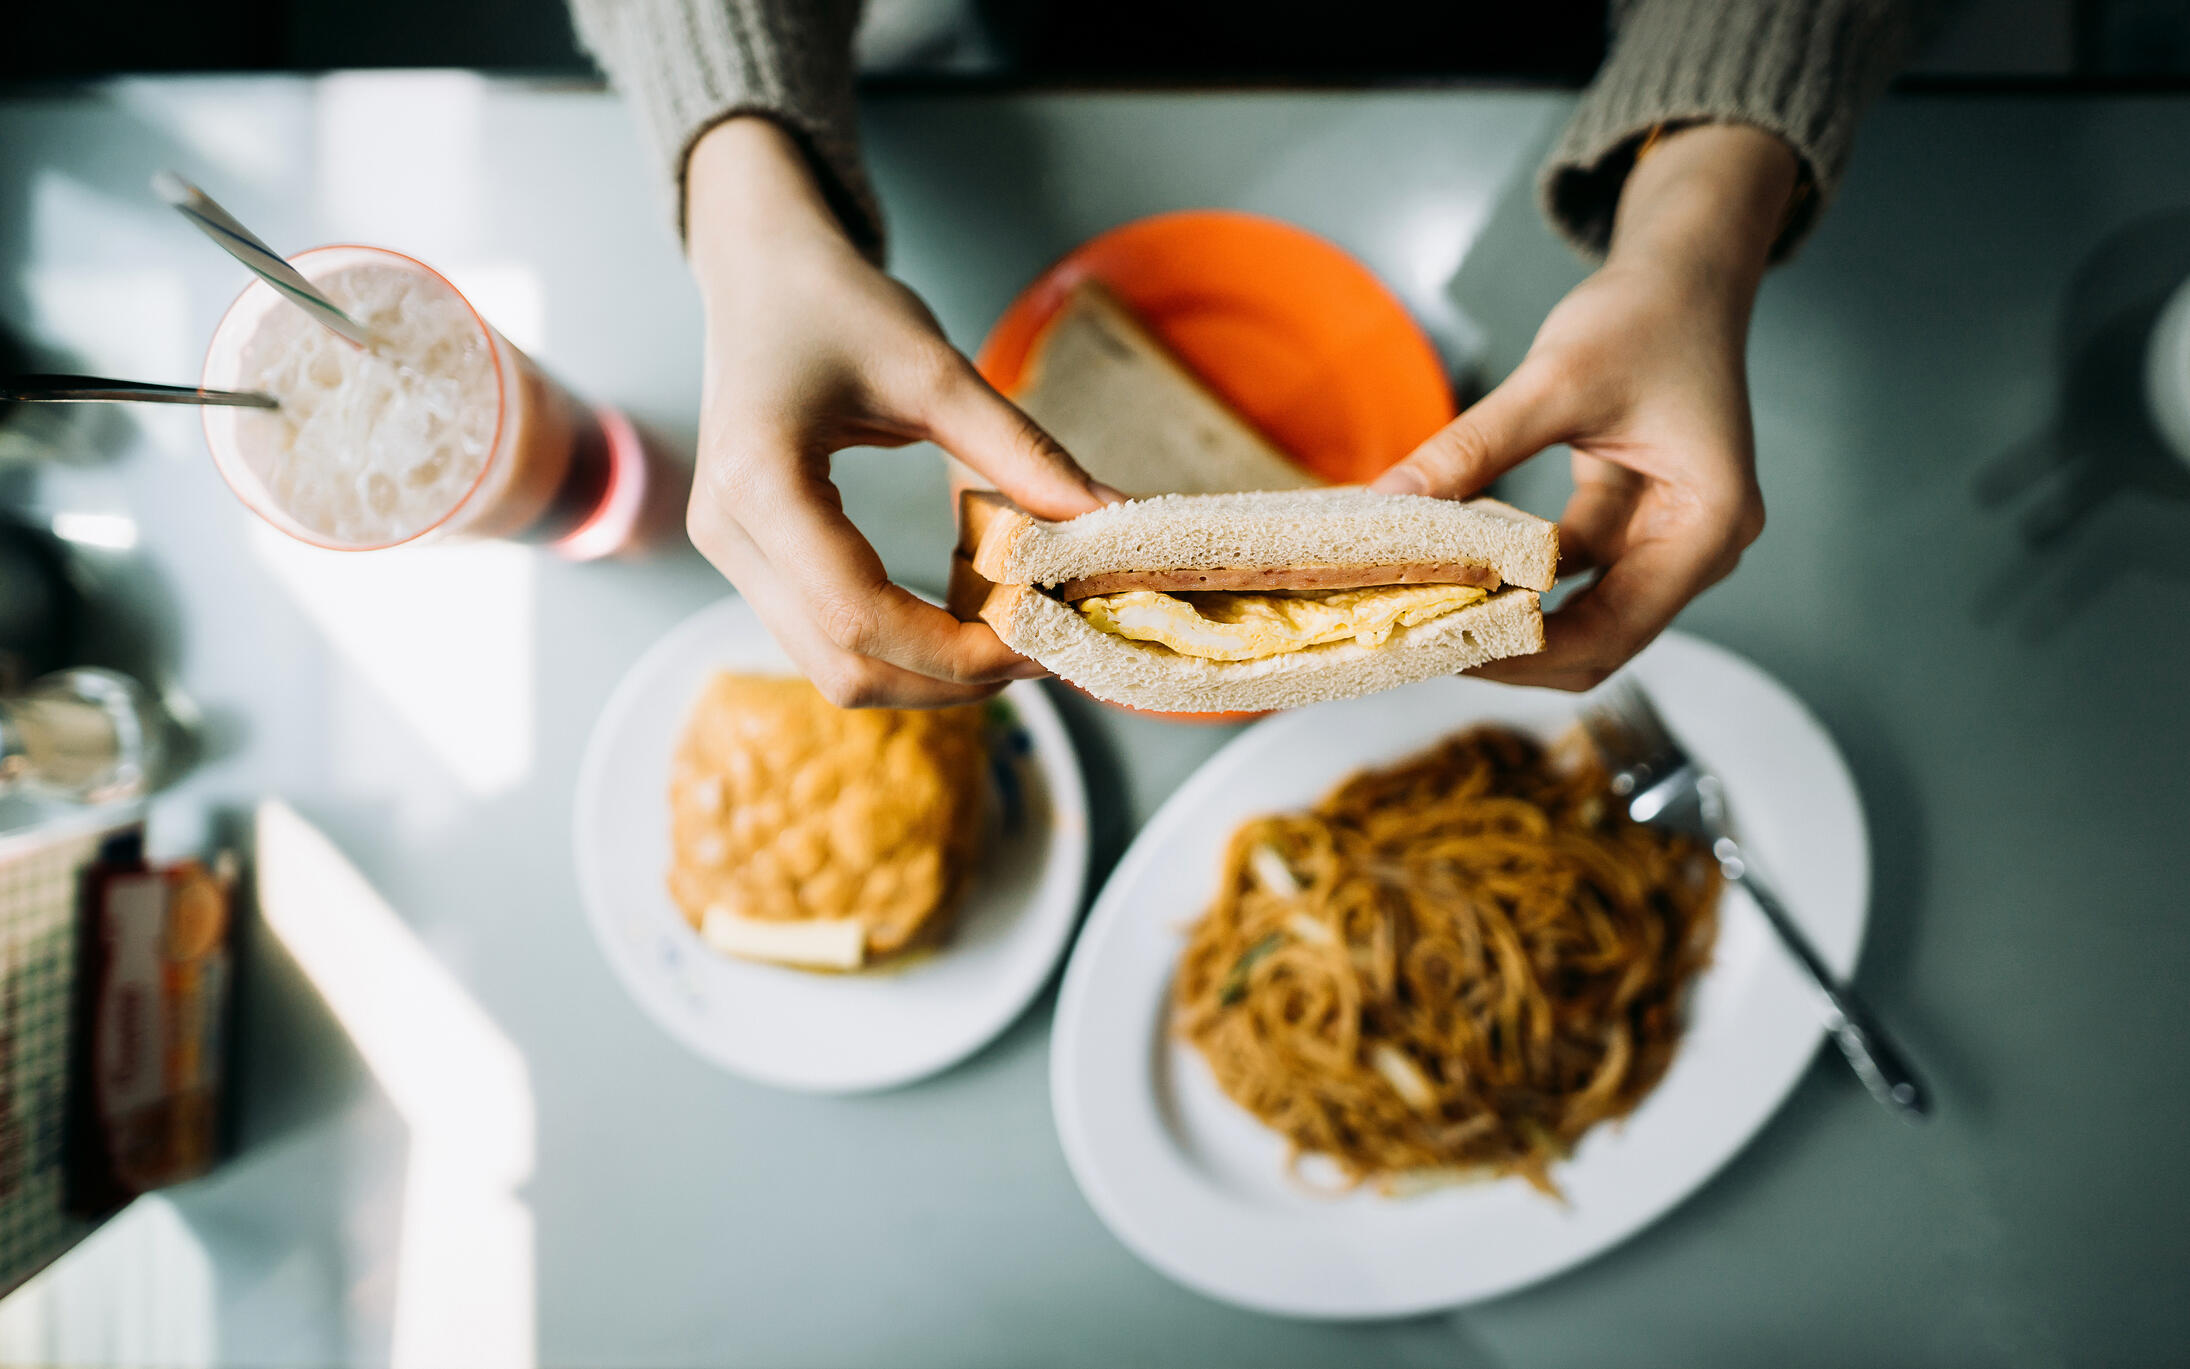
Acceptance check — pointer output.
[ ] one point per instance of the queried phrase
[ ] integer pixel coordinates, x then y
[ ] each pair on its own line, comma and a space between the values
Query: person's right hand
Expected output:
810, 349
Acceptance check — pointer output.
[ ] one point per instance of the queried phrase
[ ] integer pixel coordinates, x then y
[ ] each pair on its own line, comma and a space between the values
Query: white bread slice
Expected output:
1329, 527
1145, 676
1136, 418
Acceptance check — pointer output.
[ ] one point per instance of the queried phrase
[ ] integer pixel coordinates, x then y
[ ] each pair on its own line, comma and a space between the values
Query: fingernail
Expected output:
1029, 670
1402, 480
1105, 492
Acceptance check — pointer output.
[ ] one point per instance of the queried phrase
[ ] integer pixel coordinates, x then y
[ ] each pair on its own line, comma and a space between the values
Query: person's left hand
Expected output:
1640, 371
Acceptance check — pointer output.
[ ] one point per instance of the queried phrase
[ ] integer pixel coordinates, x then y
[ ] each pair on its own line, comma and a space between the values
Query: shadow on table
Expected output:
2099, 493
131, 623
973, 205
291, 1062
70, 434
1886, 975
114, 163
129, 617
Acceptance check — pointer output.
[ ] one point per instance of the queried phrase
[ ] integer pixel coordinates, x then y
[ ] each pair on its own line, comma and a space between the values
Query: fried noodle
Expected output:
1453, 967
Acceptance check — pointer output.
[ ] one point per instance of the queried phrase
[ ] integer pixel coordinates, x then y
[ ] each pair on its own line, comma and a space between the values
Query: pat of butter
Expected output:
838, 943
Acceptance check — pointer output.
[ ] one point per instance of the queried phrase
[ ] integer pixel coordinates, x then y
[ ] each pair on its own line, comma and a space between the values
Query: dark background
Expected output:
2067, 42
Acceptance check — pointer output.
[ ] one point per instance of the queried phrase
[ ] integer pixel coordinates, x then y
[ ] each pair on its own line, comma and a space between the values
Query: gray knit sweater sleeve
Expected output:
1802, 69
687, 65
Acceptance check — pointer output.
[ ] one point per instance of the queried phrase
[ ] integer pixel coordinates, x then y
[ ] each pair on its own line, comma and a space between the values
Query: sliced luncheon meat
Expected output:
1278, 577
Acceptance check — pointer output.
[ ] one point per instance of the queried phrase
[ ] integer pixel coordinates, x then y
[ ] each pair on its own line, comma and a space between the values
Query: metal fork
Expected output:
1664, 786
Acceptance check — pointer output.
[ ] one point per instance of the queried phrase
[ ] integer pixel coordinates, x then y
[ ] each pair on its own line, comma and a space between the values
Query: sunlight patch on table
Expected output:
398, 158
464, 1277
443, 634
105, 531
229, 129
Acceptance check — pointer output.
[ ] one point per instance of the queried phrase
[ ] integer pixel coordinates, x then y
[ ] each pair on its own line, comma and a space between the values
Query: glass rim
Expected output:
288, 525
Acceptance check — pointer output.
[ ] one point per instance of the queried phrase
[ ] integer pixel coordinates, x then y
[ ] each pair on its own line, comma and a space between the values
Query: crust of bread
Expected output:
968, 592
1146, 676
1332, 527
985, 513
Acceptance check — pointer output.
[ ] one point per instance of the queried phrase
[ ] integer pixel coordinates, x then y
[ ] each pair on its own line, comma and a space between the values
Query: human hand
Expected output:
811, 349
1640, 372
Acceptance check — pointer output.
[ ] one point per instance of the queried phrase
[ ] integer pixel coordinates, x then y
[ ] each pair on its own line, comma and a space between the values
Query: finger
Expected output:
1502, 429
794, 518
1600, 628
1593, 527
846, 680
967, 417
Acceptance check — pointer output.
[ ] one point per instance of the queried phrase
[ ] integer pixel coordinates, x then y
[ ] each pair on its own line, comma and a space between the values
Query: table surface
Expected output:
1975, 573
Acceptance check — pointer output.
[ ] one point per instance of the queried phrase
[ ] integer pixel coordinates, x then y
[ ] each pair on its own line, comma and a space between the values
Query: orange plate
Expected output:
1303, 340
1298, 336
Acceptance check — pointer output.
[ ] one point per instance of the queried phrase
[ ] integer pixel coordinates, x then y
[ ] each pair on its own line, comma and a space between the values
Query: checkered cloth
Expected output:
38, 926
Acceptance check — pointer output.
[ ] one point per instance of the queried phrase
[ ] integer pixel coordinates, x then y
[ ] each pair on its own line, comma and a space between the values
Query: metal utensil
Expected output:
92, 389
244, 245
1664, 786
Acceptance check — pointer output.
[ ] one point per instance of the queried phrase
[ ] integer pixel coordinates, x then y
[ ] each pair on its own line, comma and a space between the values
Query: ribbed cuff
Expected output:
687, 65
1803, 70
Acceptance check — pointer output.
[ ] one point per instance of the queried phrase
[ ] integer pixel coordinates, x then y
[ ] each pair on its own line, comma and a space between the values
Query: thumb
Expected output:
970, 420
1512, 423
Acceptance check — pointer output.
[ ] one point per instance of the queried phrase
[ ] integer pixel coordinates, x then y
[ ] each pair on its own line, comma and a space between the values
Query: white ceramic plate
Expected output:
827, 1033
1196, 1186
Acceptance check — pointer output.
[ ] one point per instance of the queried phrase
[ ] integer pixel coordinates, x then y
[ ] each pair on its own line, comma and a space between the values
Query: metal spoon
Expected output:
244, 245
90, 389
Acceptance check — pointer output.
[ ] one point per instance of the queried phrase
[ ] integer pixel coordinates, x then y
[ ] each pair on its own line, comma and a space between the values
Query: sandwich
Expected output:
1133, 415
1255, 601
818, 837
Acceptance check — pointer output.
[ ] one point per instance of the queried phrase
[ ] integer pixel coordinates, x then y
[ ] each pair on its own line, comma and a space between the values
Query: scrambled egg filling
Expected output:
1225, 625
